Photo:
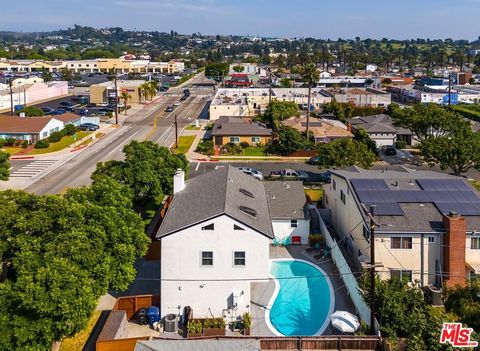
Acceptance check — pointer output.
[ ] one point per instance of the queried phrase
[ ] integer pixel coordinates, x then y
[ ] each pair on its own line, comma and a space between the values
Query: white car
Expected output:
177, 103
252, 172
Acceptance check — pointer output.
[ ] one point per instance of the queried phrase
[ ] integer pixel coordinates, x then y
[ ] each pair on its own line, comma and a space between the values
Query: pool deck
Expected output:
261, 292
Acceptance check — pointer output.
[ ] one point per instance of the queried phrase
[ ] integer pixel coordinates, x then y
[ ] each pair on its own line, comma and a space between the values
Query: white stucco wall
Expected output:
383, 139
283, 229
181, 261
54, 125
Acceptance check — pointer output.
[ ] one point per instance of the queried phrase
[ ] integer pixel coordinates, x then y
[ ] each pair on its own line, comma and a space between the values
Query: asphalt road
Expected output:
151, 123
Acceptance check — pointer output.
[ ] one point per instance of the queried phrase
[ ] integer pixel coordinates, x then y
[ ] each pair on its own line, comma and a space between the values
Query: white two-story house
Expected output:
215, 239
427, 224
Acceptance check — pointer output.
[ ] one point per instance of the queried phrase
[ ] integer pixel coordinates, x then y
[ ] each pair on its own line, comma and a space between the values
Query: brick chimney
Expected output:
454, 249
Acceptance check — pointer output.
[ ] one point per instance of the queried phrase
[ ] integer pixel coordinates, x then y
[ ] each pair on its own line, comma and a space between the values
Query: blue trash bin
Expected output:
153, 314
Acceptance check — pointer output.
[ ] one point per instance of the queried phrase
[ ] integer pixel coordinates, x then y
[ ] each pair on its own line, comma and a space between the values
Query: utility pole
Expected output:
269, 86
372, 270
11, 97
116, 94
449, 88
176, 132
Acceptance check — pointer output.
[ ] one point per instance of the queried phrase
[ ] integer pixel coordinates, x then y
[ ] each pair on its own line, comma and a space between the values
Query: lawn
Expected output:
62, 144
77, 342
192, 128
11, 150
314, 194
184, 144
254, 151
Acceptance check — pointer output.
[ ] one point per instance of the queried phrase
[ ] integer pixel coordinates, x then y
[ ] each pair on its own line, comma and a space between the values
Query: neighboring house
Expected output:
323, 131
381, 129
218, 226
427, 223
238, 80
238, 130
33, 129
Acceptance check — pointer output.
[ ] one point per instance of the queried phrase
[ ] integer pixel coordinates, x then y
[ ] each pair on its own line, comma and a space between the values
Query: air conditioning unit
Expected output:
171, 323
435, 295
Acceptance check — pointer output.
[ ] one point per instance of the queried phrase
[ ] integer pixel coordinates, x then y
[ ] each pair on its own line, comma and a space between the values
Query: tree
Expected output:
147, 170
280, 110
66, 74
31, 111
429, 121
125, 97
216, 71
288, 140
344, 152
285, 83
459, 151
238, 68
310, 75
62, 253
4, 166
362, 136
47, 75
465, 303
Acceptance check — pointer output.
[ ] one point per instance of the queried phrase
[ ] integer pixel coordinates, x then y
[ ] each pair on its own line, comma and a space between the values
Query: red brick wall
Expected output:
454, 250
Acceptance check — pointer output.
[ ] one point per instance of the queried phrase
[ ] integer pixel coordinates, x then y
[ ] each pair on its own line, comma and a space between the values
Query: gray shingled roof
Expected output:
199, 345
216, 193
378, 124
286, 200
418, 217
226, 126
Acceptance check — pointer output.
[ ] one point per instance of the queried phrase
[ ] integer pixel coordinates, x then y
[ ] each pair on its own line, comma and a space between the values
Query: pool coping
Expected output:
277, 288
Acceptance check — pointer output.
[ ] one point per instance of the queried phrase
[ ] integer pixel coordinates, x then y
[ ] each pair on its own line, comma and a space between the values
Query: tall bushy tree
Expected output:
288, 140
344, 152
4, 166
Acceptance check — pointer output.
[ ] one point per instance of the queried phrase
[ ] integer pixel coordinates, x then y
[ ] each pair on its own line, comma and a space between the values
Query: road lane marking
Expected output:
130, 137
198, 165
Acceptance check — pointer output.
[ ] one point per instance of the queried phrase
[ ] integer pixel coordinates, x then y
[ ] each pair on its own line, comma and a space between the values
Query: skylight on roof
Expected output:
249, 211
246, 193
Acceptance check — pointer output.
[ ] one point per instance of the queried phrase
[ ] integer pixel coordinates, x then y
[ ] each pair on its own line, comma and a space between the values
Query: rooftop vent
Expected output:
246, 193
249, 211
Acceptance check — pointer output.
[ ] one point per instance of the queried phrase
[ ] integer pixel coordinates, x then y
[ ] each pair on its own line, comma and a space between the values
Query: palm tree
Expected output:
310, 76
125, 97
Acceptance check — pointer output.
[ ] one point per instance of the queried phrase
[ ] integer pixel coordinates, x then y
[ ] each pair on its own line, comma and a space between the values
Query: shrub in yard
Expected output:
42, 144
56, 136
70, 129
244, 144
401, 144
205, 147
231, 149
25, 144
10, 141
2, 142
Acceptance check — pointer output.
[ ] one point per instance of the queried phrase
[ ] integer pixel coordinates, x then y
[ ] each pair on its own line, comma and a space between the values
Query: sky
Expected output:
406, 19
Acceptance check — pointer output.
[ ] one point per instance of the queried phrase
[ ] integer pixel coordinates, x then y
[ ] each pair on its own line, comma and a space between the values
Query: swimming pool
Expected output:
302, 301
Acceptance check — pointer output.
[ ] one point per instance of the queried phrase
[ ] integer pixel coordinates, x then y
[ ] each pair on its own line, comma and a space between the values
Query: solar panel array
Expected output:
446, 194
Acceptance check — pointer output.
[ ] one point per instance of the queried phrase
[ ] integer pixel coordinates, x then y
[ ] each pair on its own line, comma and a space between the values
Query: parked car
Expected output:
313, 160
59, 111
66, 103
184, 97
325, 177
176, 103
390, 151
89, 126
47, 110
83, 112
252, 172
289, 173
170, 109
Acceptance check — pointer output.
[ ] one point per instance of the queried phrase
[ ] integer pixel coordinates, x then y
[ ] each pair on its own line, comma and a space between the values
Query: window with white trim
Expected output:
239, 259
256, 140
207, 258
431, 240
401, 274
234, 139
401, 242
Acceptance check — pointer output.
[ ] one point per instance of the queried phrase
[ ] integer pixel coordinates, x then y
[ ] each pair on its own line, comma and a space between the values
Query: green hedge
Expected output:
468, 111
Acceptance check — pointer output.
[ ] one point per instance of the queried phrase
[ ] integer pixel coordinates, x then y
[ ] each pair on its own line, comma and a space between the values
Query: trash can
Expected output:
142, 316
153, 314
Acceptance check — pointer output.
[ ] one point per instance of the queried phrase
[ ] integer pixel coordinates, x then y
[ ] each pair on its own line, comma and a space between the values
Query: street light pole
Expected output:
372, 270
176, 132
11, 97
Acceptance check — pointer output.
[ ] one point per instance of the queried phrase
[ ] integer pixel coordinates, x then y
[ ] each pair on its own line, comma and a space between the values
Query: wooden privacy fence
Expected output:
131, 304
321, 343
119, 344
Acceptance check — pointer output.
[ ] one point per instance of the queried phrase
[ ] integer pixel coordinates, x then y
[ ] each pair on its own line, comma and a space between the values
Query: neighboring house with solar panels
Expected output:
427, 223
215, 239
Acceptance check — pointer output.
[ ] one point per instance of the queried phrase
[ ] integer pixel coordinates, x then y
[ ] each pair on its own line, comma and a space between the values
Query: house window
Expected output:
431, 240
237, 227
475, 243
44, 134
342, 196
255, 140
209, 227
234, 139
401, 274
400, 242
239, 258
293, 223
207, 258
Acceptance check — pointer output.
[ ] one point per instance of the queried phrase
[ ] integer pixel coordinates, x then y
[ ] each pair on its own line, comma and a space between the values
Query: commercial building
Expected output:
427, 224
363, 97
95, 65
105, 92
220, 225
28, 94
228, 129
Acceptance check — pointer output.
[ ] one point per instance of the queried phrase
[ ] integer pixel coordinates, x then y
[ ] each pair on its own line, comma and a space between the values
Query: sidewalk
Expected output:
191, 154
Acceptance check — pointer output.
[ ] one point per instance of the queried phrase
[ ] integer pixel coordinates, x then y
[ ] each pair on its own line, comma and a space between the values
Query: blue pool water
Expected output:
303, 303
